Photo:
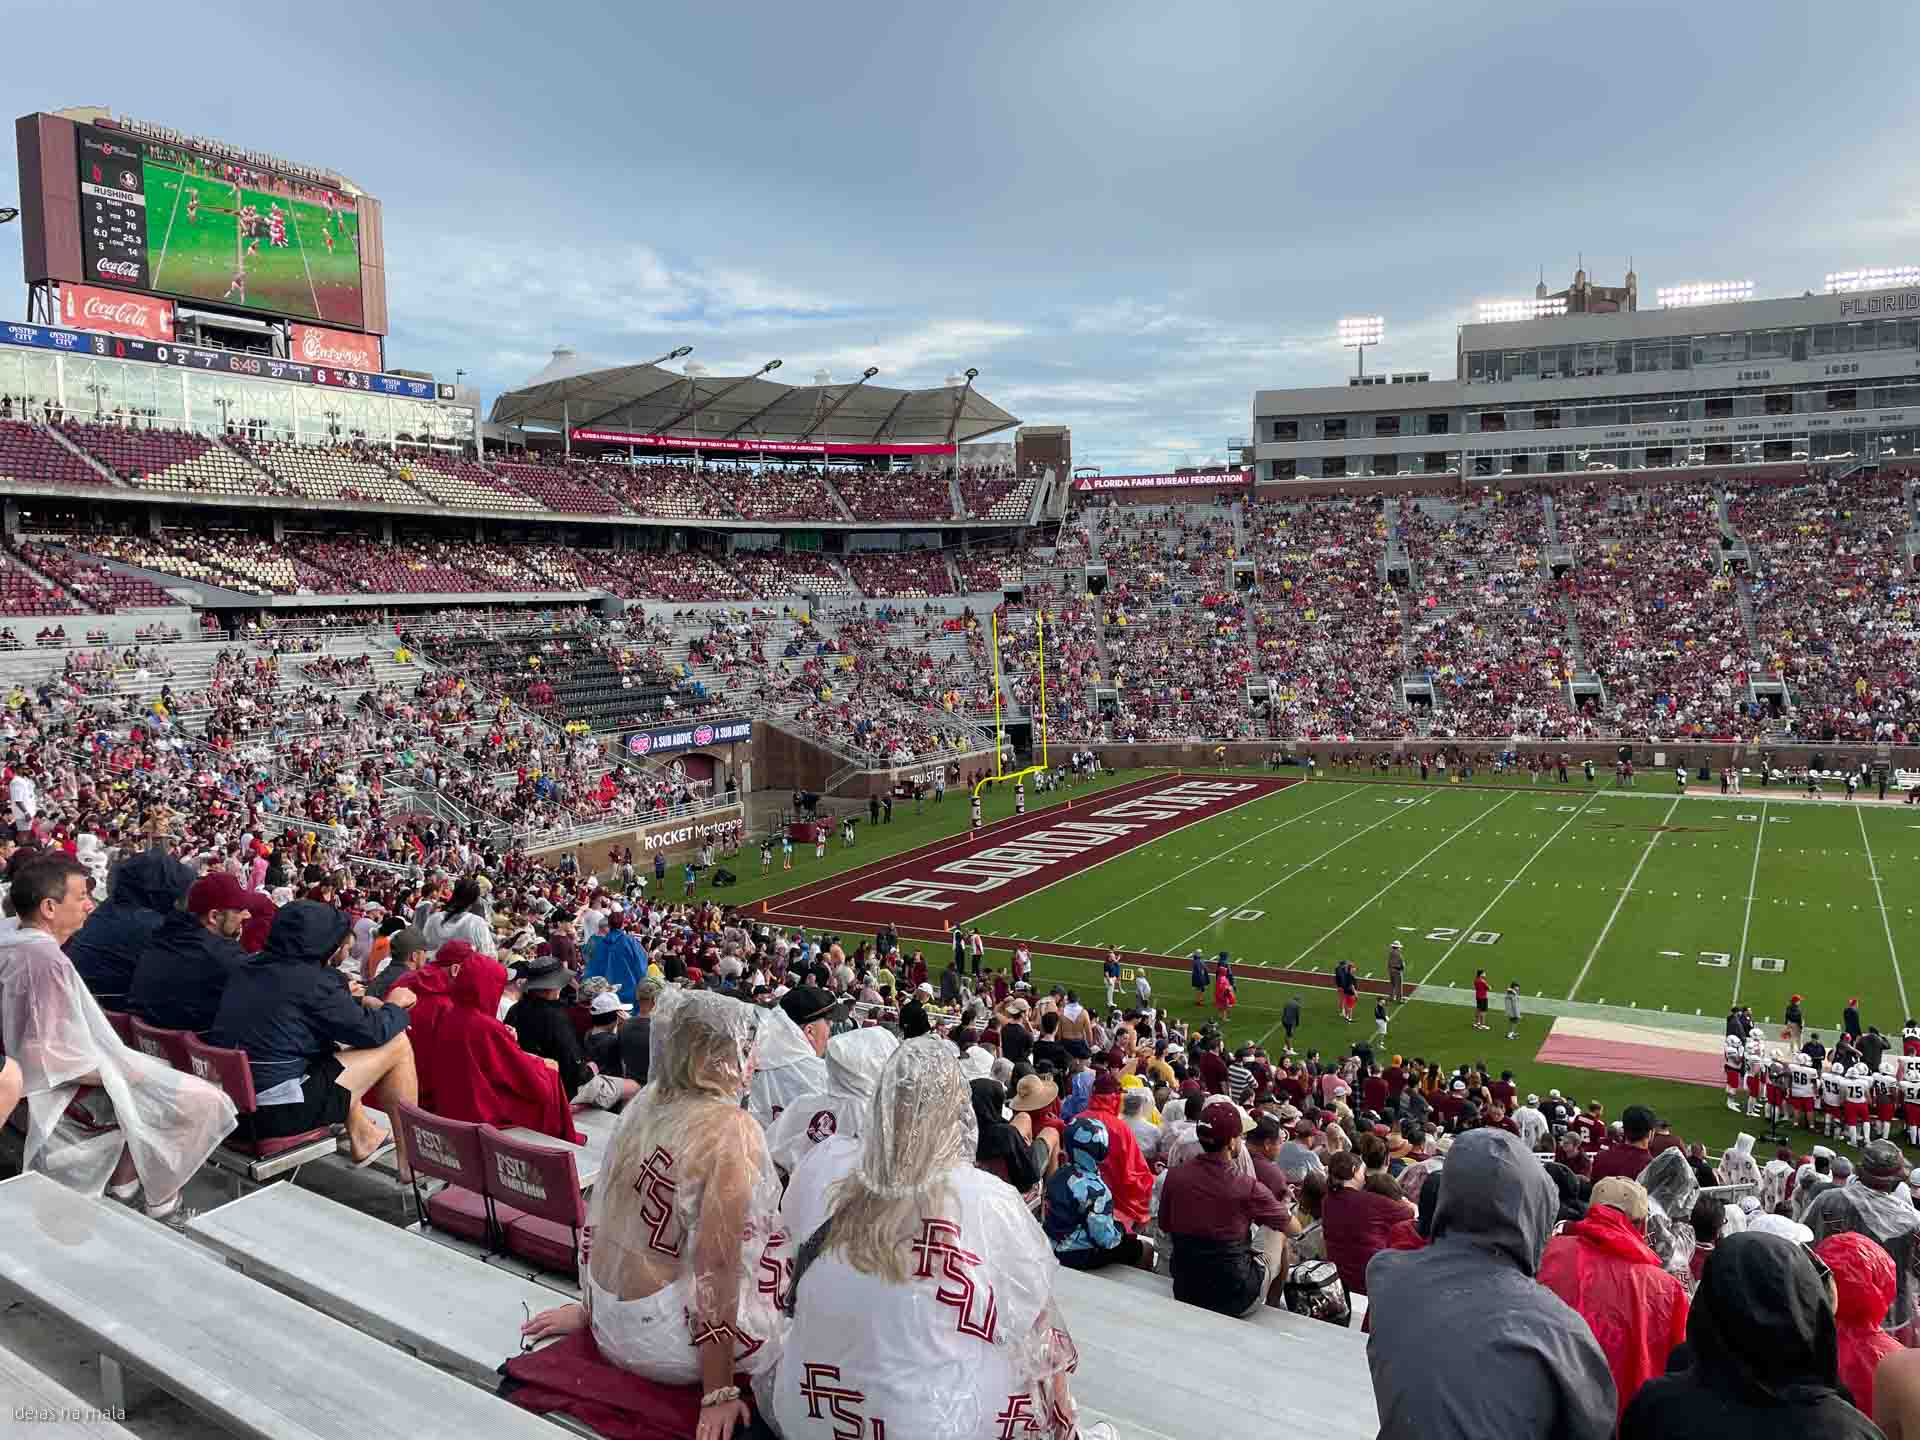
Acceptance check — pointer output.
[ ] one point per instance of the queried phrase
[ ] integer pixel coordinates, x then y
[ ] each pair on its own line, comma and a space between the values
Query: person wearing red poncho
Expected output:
1124, 1169
474, 1068
1863, 1282
1603, 1267
432, 986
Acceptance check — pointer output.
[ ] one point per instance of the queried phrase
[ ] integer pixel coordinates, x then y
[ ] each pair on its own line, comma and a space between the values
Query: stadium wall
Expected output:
675, 838
1715, 754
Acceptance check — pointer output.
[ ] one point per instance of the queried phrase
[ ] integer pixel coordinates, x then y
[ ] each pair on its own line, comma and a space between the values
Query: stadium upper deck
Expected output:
1821, 378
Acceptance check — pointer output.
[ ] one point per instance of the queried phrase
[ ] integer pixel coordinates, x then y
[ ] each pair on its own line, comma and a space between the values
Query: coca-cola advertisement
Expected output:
114, 312
333, 349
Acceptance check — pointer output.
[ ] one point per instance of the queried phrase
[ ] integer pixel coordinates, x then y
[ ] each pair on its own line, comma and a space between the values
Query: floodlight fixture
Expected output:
1703, 292
1357, 332
1494, 312
1872, 277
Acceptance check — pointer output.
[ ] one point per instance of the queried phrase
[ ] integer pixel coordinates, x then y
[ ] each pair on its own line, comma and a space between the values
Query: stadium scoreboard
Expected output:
131, 206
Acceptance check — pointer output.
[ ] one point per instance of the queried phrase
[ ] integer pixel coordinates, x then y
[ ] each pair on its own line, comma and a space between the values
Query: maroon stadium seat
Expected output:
541, 1182
449, 1150
167, 1045
233, 1073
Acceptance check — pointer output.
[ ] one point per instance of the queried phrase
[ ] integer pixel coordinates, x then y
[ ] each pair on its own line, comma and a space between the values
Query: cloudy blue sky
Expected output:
1128, 216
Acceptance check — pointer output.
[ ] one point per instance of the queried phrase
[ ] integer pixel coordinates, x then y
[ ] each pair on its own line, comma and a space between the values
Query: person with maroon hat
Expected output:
184, 968
1208, 1208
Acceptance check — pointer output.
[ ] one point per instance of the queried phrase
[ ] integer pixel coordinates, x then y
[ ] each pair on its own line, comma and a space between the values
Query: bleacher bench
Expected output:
253, 1361
429, 1299
39, 1406
1296, 1376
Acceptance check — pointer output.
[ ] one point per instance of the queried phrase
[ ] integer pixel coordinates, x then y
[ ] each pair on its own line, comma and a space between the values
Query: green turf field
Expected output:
1635, 900
199, 257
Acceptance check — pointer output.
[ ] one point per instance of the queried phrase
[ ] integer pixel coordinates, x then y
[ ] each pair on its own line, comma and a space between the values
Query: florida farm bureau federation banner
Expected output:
1161, 482
691, 737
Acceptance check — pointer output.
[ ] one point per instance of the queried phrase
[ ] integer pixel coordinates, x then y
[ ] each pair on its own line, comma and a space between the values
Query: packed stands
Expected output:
782, 574
1487, 629
896, 494
330, 472
900, 574
566, 488
672, 492
778, 493
461, 483
29, 455
1832, 602
86, 578
1658, 619
991, 496
169, 460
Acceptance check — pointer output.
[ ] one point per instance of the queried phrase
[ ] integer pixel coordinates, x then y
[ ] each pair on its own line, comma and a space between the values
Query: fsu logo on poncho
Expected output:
822, 1126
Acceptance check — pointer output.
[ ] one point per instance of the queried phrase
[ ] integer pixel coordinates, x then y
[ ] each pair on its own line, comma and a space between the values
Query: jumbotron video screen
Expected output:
157, 217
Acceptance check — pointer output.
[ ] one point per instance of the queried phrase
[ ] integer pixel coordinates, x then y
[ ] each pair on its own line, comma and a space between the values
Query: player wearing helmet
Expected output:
1854, 1113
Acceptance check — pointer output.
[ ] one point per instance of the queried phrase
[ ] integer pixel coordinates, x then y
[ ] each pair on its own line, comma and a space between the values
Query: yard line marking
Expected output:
294, 221
167, 239
1200, 865
1461, 939
1446, 840
1607, 929
1296, 870
1874, 870
1740, 960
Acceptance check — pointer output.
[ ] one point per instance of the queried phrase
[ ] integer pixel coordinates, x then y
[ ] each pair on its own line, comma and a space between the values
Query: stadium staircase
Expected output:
87, 457
956, 503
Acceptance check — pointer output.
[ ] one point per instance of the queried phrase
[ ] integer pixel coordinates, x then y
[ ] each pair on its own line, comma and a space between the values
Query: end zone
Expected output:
955, 882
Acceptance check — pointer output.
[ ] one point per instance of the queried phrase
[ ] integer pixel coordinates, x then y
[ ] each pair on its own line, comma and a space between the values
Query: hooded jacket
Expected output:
854, 1062
1602, 1267
1126, 1170
182, 973
286, 1008
1882, 1217
475, 1070
620, 959
786, 1070
1519, 1362
1863, 1278
146, 888
1079, 1203
432, 986
1765, 1356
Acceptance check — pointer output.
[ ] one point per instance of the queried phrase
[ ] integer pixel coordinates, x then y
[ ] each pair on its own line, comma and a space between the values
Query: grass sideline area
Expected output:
1635, 898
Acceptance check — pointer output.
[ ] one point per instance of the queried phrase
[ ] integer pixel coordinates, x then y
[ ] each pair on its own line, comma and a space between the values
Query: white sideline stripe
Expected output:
1740, 960
1303, 866
1874, 870
1291, 820
1607, 929
1369, 901
1447, 954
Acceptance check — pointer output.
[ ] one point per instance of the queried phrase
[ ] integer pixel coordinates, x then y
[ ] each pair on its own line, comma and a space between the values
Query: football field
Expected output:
199, 255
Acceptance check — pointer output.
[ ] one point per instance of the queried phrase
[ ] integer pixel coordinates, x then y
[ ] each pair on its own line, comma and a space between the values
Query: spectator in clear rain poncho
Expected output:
1737, 1165
1868, 1206
1671, 1188
854, 1062
686, 1221
891, 1317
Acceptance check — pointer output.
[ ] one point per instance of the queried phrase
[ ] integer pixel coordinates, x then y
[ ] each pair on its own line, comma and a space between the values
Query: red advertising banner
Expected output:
114, 312
749, 447
333, 349
1163, 482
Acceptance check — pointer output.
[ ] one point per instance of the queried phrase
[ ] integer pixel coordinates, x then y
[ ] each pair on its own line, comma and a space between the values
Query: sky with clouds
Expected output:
1127, 216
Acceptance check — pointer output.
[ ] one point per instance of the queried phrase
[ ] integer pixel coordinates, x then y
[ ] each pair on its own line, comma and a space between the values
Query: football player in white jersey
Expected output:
1803, 1088
1833, 1098
1855, 1114
1733, 1055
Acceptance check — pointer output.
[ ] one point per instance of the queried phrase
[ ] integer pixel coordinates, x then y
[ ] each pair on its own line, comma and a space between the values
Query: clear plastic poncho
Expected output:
1671, 1189
169, 1121
786, 1071
687, 1239
931, 1306
854, 1063
1737, 1165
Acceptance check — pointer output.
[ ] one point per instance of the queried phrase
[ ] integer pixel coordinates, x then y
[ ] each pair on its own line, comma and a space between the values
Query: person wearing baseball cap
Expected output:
183, 969
1208, 1208
792, 1048
406, 952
